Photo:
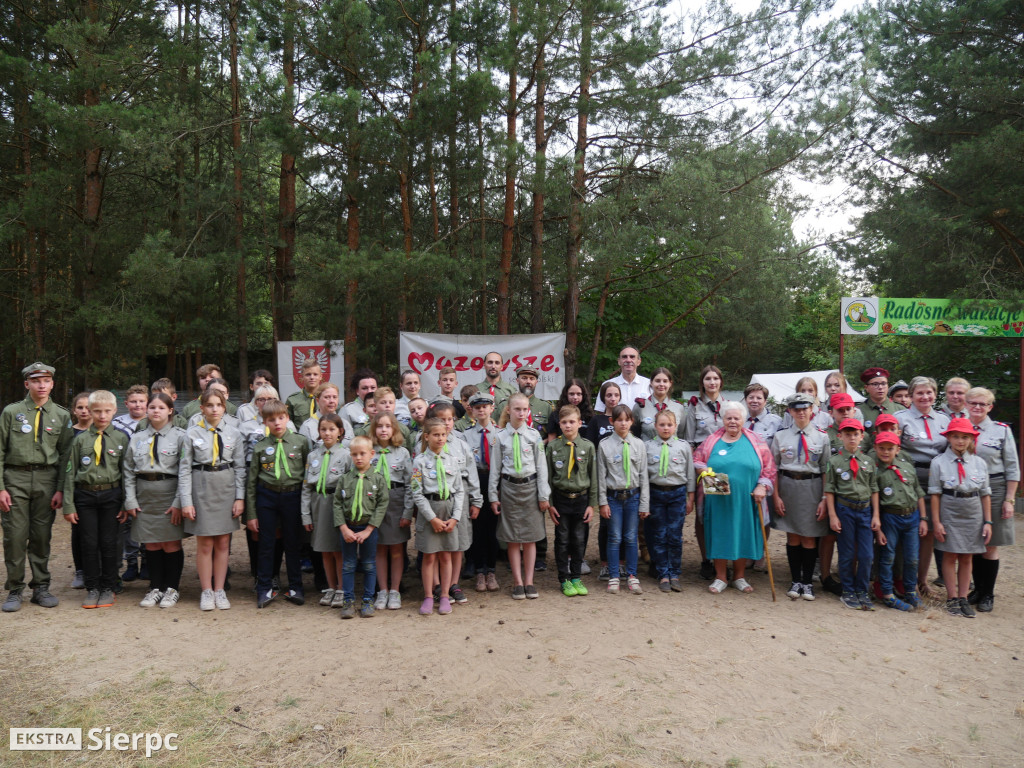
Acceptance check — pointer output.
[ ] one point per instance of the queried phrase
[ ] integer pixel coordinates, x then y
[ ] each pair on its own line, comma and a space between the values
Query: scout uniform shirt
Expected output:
531, 460
323, 471
765, 424
953, 414
898, 487
22, 444
253, 430
842, 480
921, 439
364, 431
278, 463
200, 443
459, 448
501, 391
360, 499
572, 467
152, 452
965, 474
996, 446
872, 411
176, 419
192, 408
395, 464
475, 439
540, 413
435, 475
465, 423
646, 409
611, 469
301, 406
670, 463
85, 470
703, 419
790, 453
353, 414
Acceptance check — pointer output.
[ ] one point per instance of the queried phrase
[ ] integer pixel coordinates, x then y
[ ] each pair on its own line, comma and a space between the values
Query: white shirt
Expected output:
631, 390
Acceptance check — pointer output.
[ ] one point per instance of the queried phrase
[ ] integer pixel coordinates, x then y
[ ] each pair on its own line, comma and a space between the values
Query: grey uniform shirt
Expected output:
822, 419
644, 416
915, 444
787, 450
227, 420
531, 451
765, 424
996, 446
944, 476
460, 449
680, 463
474, 439
425, 480
399, 462
165, 459
353, 413
197, 448
703, 419
338, 462
611, 473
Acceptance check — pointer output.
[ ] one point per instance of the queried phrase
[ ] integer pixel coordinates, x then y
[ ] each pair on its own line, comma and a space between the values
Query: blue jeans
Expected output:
622, 532
900, 532
664, 530
854, 542
275, 510
366, 555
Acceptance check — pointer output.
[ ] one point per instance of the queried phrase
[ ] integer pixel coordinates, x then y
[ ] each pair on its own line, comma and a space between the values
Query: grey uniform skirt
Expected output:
1003, 531
389, 532
213, 494
325, 538
962, 519
151, 525
521, 520
465, 527
800, 498
427, 541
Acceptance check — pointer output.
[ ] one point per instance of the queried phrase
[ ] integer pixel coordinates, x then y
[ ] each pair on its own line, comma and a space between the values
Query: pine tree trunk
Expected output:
540, 151
284, 267
508, 221
241, 308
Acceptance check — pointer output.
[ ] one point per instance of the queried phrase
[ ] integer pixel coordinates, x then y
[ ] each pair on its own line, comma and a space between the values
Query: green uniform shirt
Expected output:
19, 445
374, 499
584, 470
895, 494
299, 405
191, 409
295, 449
501, 391
841, 480
83, 468
465, 423
872, 411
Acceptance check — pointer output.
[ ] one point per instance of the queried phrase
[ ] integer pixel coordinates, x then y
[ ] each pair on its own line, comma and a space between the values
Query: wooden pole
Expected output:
842, 339
764, 539
1020, 412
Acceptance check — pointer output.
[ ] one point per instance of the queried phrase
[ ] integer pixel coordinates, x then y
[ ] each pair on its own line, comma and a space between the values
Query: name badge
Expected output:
648, 420
887, 491
315, 463
26, 428
269, 451
868, 423
845, 475
86, 461
559, 464
723, 452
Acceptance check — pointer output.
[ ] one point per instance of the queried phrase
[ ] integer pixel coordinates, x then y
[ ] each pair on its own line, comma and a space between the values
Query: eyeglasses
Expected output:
979, 405
878, 383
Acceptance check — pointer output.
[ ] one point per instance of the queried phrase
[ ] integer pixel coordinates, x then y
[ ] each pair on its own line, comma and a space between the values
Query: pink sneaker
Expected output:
445, 606
427, 606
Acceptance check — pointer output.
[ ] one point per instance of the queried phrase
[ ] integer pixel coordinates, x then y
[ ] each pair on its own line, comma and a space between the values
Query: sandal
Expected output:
894, 602
717, 587
742, 585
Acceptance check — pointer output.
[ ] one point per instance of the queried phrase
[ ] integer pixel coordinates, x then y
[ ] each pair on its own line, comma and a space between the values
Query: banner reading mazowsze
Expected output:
291, 354
428, 353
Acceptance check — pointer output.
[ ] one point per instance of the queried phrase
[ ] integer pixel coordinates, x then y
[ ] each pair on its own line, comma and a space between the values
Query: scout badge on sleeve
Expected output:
714, 484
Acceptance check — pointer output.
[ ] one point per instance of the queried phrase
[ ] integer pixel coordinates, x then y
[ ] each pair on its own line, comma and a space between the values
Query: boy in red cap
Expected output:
901, 504
851, 494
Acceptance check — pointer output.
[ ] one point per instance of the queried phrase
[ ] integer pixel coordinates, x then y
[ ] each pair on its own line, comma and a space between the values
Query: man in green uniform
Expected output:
876, 383
493, 384
35, 434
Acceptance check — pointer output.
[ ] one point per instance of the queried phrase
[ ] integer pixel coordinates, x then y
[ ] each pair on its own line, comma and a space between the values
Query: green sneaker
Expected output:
569, 589
580, 589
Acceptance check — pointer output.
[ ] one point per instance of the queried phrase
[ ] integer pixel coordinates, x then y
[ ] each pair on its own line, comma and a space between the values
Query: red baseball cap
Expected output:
840, 400
963, 426
852, 424
886, 418
887, 437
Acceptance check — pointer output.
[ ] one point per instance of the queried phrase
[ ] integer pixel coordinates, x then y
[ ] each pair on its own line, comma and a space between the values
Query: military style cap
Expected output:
35, 370
840, 400
901, 384
799, 401
481, 398
527, 369
887, 437
851, 424
873, 373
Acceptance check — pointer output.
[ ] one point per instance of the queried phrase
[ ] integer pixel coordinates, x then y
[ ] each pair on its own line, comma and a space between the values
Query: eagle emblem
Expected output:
301, 354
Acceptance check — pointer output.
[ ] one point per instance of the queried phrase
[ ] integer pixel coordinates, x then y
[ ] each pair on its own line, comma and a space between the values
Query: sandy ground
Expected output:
688, 679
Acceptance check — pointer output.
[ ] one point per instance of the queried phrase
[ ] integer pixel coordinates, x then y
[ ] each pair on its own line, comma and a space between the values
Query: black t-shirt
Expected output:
599, 427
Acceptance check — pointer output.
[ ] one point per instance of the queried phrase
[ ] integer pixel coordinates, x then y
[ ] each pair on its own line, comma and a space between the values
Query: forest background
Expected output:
189, 182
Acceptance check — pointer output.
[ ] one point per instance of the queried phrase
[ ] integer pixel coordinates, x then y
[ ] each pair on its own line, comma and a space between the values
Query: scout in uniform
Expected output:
540, 410
851, 493
302, 404
325, 465
364, 384
274, 500
360, 503
35, 434
672, 487
493, 383
383, 401
956, 398
152, 469
327, 397
393, 460
646, 408
572, 473
466, 421
93, 497
801, 453
483, 552
842, 407
167, 387
410, 386
901, 504
760, 420
899, 393
876, 382
258, 378
205, 374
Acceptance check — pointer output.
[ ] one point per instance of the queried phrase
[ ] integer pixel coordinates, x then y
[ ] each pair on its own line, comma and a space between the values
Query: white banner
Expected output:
291, 354
428, 353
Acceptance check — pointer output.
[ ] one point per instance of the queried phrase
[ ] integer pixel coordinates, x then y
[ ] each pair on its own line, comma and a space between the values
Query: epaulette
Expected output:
641, 401
693, 401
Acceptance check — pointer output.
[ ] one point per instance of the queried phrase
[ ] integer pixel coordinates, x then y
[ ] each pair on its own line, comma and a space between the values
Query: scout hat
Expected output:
901, 384
799, 401
527, 369
887, 437
873, 373
35, 370
480, 398
840, 400
963, 426
851, 424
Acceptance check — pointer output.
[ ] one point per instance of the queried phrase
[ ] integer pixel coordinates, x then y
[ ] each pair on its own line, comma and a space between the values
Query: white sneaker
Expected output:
220, 599
795, 590
394, 600
634, 585
584, 569
327, 598
382, 600
206, 600
808, 592
339, 599
152, 598
170, 598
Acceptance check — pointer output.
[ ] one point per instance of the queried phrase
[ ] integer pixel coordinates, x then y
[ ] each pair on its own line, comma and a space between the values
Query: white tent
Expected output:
782, 385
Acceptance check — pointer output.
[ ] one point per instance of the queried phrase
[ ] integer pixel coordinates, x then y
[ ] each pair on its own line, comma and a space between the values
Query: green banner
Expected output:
945, 317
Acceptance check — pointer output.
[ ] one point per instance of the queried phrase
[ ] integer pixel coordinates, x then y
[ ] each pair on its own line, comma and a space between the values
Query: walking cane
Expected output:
764, 538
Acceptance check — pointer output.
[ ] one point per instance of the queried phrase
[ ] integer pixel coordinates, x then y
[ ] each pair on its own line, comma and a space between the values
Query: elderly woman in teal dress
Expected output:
732, 529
